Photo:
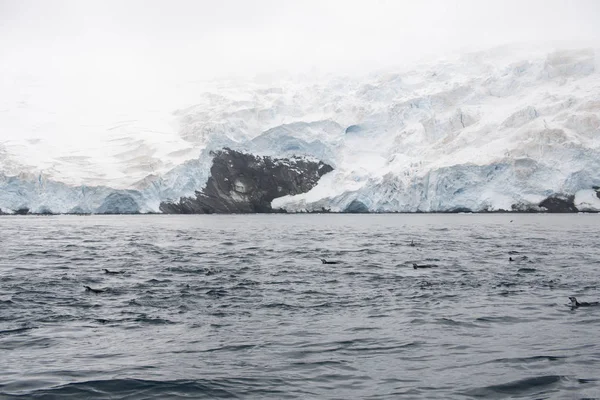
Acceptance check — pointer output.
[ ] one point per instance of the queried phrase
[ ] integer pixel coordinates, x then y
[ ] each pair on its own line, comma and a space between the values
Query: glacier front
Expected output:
504, 129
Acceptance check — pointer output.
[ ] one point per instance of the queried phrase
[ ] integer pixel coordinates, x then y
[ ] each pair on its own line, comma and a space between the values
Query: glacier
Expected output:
501, 129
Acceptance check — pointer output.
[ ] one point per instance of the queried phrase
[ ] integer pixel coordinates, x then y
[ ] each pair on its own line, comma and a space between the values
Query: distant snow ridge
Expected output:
497, 130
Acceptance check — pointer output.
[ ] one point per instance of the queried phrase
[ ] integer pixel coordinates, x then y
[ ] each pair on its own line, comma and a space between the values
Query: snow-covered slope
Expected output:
482, 131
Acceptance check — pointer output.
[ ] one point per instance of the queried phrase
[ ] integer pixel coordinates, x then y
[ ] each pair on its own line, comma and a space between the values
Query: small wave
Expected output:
326, 304
364, 346
362, 328
155, 281
481, 237
524, 360
364, 250
232, 348
28, 342
385, 349
451, 322
501, 319
322, 363
153, 321
217, 292
506, 284
528, 386
245, 283
45, 254
506, 293
15, 331
526, 270
136, 388
284, 306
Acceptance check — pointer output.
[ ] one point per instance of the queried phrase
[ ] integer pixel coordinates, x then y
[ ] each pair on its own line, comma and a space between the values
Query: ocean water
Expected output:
241, 307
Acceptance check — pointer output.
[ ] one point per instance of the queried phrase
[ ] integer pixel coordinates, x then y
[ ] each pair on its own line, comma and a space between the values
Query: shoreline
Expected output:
314, 212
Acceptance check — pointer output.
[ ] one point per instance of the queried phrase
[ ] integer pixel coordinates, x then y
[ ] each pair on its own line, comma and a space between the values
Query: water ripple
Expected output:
242, 307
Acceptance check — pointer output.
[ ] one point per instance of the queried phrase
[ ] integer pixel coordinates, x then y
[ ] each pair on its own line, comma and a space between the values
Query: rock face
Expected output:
556, 204
245, 183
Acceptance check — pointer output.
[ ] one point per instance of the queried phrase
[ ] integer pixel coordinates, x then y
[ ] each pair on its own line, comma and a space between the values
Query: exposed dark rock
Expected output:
22, 211
356, 207
119, 203
245, 183
559, 204
597, 189
552, 204
525, 208
461, 210
323, 210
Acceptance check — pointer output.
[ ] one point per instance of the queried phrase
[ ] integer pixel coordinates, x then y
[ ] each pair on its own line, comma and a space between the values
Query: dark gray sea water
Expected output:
241, 307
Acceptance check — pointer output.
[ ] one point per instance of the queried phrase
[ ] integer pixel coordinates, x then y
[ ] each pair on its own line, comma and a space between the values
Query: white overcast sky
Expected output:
68, 64
200, 39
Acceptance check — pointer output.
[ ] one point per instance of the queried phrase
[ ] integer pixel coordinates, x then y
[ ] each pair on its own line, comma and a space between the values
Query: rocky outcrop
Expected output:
559, 204
245, 183
458, 210
554, 204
